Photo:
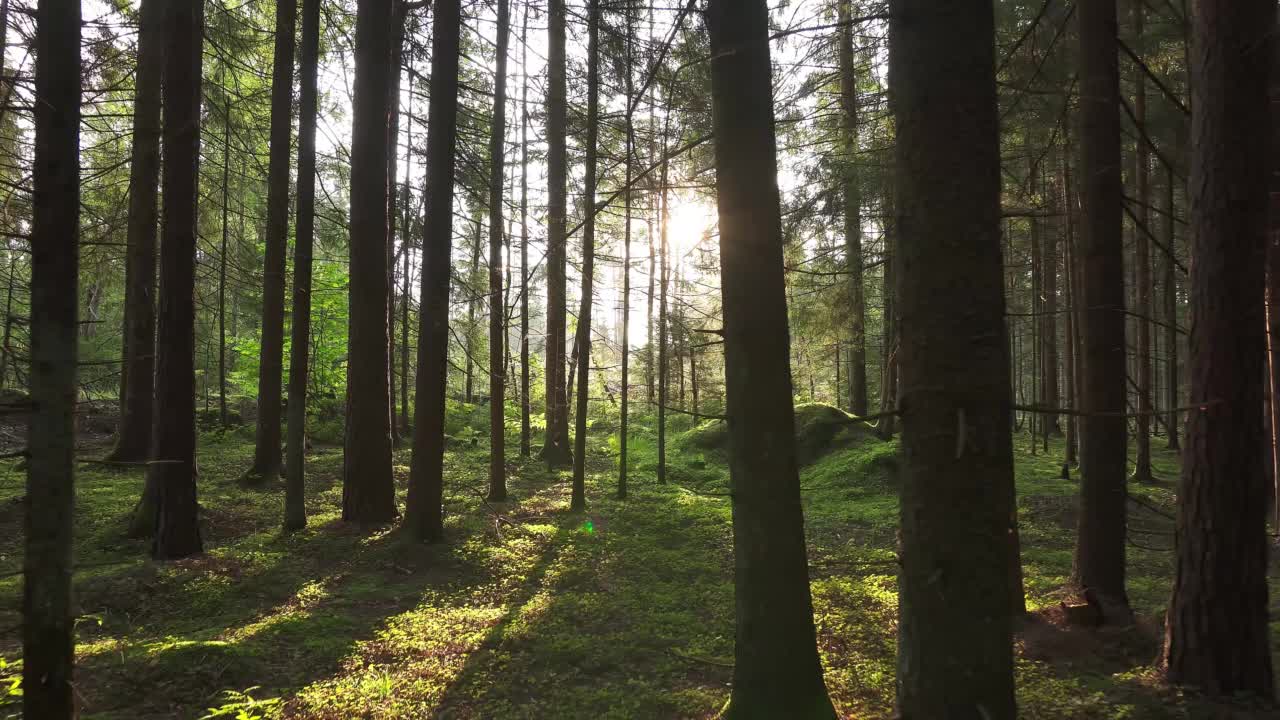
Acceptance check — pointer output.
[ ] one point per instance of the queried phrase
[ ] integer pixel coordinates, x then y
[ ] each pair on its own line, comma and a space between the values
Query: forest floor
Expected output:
530, 611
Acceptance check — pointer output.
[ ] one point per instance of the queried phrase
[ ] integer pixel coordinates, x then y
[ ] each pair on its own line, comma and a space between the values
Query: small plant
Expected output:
243, 706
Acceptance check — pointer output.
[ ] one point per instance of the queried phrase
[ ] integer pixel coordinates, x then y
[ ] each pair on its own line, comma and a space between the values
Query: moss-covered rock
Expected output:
820, 428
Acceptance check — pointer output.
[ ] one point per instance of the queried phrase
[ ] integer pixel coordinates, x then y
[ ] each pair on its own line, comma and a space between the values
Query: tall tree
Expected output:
578, 499
424, 516
555, 448
852, 212
133, 440
1170, 302
623, 430
955, 657
1216, 631
497, 306
48, 617
266, 452
173, 441
295, 513
776, 668
1100, 537
525, 430
368, 489
1142, 256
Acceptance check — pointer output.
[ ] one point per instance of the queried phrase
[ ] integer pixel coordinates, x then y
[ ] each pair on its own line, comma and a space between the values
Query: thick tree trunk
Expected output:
173, 443
1100, 541
497, 307
776, 670
555, 449
852, 214
1216, 631
48, 615
955, 657
368, 490
424, 514
266, 451
1142, 260
578, 499
133, 440
295, 513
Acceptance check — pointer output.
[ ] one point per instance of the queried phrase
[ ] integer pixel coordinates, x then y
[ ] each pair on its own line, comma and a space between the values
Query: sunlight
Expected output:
690, 220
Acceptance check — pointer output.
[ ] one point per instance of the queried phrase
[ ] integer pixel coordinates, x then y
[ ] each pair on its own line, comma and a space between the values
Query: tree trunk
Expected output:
886, 426
368, 490
955, 657
424, 514
393, 156
222, 266
555, 449
266, 452
1142, 259
405, 271
497, 308
133, 439
1216, 630
295, 513
48, 615
525, 429
624, 427
852, 214
1172, 389
469, 341
1100, 541
177, 528
1049, 321
663, 321
776, 670
578, 499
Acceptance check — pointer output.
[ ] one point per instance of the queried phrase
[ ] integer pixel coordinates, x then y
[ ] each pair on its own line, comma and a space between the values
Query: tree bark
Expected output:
368, 490
776, 670
266, 452
525, 429
664, 220
1142, 260
295, 513
424, 515
1100, 542
624, 426
48, 615
555, 450
173, 443
133, 439
852, 214
1216, 631
955, 657
578, 495
1172, 390
497, 307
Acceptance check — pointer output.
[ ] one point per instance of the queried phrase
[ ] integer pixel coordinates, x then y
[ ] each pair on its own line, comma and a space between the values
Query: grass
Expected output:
529, 611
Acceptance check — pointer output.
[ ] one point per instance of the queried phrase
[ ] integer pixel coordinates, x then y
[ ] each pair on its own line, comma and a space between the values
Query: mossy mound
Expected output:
820, 428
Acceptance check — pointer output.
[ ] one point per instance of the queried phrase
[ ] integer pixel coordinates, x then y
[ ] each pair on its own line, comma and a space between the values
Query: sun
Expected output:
690, 220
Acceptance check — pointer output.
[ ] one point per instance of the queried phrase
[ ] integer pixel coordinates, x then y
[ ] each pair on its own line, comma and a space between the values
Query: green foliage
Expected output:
240, 705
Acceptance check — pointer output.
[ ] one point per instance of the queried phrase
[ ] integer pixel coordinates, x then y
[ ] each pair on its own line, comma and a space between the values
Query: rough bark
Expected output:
955, 657
295, 514
424, 515
173, 442
1100, 541
133, 439
776, 670
578, 495
266, 451
1216, 631
368, 490
497, 308
555, 449
48, 614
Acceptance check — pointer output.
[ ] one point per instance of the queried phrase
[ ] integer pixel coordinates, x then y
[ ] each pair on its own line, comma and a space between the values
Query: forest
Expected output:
737, 359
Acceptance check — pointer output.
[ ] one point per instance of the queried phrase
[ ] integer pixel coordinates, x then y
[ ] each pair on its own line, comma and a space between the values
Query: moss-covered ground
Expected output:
529, 611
